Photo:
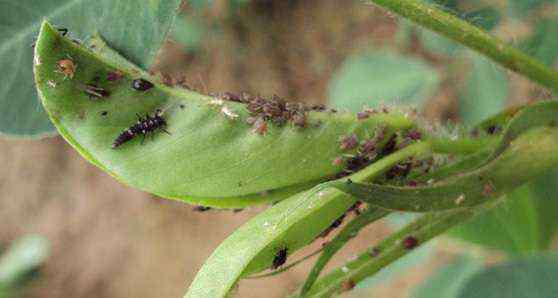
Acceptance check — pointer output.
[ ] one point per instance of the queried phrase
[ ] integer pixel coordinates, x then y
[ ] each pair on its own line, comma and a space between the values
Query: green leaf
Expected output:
544, 192
189, 31
370, 79
525, 222
290, 225
533, 277
544, 44
485, 92
447, 281
136, 29
435, 43
521, 8
212, 156
512, 227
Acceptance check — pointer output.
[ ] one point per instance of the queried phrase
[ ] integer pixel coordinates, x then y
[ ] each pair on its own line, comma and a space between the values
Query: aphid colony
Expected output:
275, 110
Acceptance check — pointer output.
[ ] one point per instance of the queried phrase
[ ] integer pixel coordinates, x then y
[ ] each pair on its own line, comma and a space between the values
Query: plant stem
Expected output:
473, 37
391, 249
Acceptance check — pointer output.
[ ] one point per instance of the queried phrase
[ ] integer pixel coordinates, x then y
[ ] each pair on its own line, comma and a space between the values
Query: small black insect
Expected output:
201, 208
280, 258
104, 113
63, 31
144, 126
141, 85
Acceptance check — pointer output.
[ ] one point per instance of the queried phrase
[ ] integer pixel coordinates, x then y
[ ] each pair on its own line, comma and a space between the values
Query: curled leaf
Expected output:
502, 171
211, 155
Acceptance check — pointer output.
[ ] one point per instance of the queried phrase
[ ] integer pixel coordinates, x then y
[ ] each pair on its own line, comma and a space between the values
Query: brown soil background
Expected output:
109, 240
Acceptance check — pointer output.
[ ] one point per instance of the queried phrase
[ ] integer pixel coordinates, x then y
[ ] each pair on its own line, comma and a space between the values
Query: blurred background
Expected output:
102, 239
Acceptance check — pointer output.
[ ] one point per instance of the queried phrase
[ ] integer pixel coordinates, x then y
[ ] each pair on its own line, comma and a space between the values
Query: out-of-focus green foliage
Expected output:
448, 281
136, 30
374, 78
533, 277
18, 263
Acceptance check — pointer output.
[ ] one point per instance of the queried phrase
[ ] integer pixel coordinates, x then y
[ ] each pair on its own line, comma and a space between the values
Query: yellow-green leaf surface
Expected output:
211, 157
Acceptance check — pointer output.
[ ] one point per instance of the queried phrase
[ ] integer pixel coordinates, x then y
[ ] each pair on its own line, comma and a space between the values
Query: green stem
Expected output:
391, 249
473, 37
348, 232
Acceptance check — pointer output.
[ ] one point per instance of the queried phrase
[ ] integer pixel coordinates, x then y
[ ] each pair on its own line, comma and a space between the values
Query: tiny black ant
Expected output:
141, 85
144, 126
279, 259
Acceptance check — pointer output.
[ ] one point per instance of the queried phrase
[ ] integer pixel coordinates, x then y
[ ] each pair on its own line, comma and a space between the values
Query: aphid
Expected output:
362, 115
334, 225
142, 85
231, 96
338, 161
144, 126
350, 142
355, 208
260, 127
414, 135
493, 129
488, 189
401, 169
299, 120
182, 106
104, 113
95, 92
66, 67
114, 75
318, 108
374, 252
279, 259
201, 208
369, 147
410, 242
356, 163
347, 285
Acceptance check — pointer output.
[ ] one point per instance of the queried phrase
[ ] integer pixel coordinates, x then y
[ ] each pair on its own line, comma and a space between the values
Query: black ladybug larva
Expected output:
143, 127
